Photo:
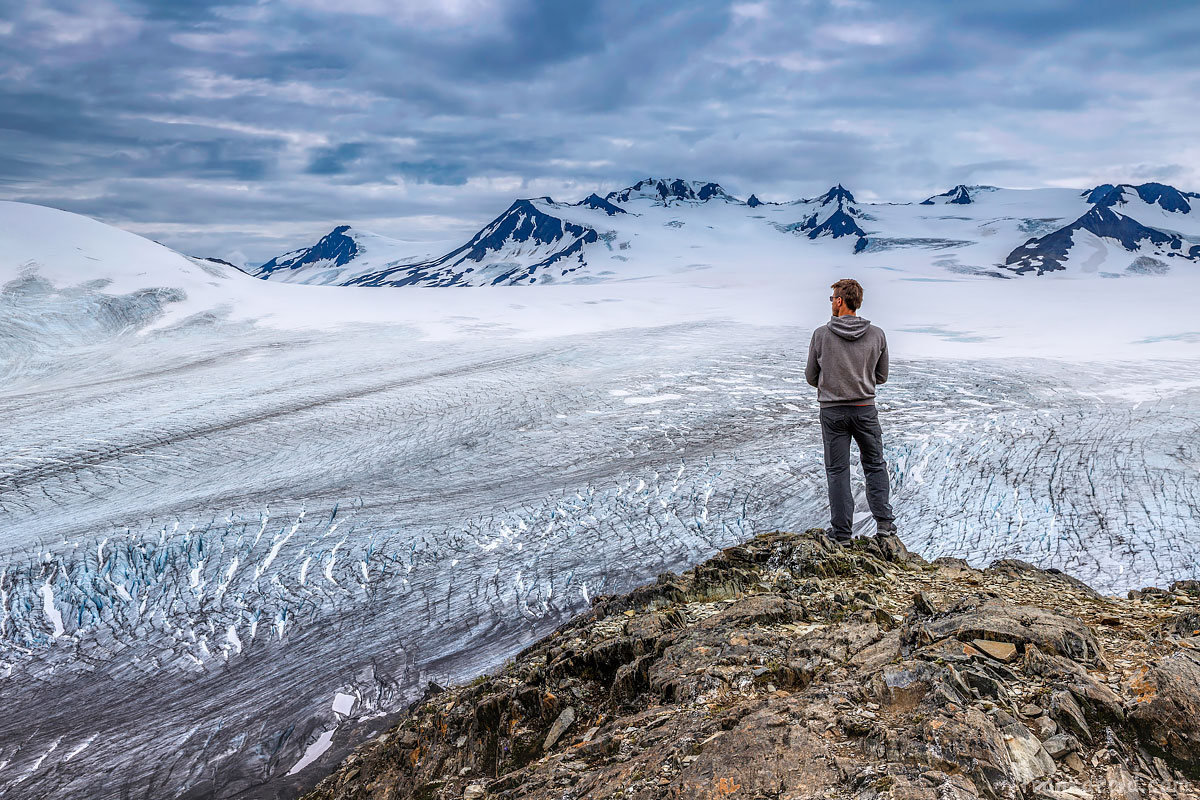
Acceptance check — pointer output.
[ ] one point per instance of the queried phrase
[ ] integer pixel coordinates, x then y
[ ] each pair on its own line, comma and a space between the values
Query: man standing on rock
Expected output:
846, 358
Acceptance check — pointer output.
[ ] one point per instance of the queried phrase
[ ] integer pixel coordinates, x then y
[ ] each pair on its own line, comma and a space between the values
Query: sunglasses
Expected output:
833, 297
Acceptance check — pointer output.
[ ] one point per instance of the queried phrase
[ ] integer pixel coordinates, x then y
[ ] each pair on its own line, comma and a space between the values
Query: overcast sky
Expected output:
241, 130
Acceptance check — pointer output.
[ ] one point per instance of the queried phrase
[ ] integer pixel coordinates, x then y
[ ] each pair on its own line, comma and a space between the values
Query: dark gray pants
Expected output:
838, 425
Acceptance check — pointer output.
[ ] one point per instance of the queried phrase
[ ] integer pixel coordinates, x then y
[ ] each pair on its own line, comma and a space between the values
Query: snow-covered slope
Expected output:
68, 282
528, 238
345, 255
68, 249
68, 278
1136, 229
659, 228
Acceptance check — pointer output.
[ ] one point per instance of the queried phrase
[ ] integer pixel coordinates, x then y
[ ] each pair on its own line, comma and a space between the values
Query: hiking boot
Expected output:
885, 527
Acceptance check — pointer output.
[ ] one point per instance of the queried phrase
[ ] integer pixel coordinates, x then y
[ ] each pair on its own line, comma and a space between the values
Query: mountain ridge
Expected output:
541, 241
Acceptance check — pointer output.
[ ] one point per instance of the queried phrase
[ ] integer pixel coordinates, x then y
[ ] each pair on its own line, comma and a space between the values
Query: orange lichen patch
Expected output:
726, 787
1143, 688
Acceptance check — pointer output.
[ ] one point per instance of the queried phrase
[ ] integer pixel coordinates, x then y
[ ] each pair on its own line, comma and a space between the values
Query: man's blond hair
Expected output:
850, 291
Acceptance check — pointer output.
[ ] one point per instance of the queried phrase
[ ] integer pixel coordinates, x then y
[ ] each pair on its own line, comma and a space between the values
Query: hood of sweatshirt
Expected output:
848, 327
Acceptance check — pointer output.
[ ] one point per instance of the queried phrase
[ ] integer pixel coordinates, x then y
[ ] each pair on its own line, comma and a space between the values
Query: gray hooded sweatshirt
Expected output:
847, 357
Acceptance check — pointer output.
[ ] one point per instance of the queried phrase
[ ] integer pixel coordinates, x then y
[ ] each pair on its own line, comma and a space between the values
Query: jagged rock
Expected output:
1186, 624
1030, 761
1001, 651
1121, 785
560, 726
791, 667
1015, 568
904, 686
1051, 666
923, 605
1045, 727
1060, 745
971, 744
892, 548
1069, 793
1097, 700
1168, 711
997, 620
757, 757
1067, 713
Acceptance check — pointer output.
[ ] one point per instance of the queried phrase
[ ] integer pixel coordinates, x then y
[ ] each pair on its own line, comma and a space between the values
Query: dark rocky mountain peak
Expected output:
335, 247
837, 194
959, 195
594, 200
523, 224
1165, 197
669, 189
1047, 253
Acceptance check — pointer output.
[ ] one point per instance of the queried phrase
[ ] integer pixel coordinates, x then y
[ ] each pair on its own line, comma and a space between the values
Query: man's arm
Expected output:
813, 370
881, 366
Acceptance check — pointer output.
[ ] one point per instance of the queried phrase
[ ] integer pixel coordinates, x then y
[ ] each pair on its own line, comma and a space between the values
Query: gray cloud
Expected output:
252, 128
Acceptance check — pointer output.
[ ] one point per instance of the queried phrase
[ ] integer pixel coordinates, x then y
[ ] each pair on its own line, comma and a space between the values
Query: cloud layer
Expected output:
245, 130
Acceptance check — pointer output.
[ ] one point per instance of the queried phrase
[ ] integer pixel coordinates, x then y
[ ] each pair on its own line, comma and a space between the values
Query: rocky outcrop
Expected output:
789, 667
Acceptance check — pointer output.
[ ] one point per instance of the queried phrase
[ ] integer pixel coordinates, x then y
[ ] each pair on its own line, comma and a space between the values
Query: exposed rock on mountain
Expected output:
594, 200
790, 667
1168, 198
1048, 253
635, 233
832, 214
666, 190
491, 256
335, 248
959, 195
221, 261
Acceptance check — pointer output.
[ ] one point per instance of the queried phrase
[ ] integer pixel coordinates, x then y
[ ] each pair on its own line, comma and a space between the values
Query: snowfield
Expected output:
245, 521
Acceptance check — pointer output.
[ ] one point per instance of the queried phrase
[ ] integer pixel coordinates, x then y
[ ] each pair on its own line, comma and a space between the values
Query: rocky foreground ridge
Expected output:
789, 667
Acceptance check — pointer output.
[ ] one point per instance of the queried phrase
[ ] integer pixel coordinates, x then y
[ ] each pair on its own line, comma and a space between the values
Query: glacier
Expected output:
262, 531
244, 523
